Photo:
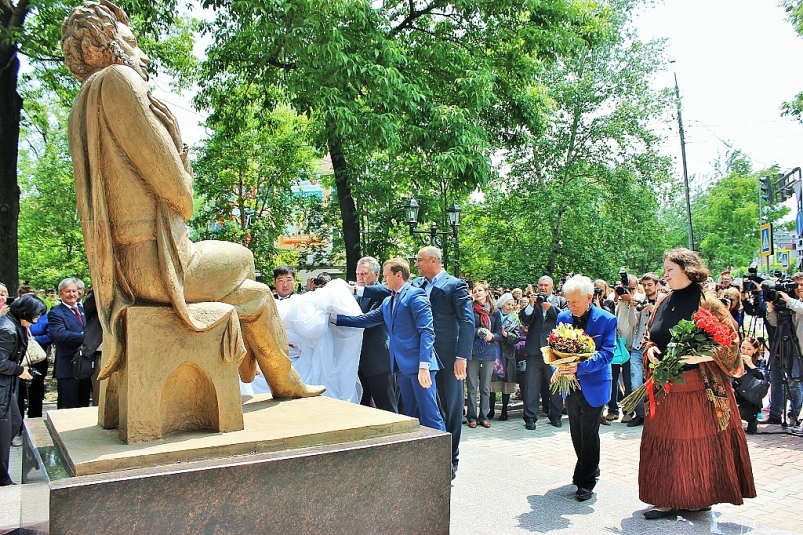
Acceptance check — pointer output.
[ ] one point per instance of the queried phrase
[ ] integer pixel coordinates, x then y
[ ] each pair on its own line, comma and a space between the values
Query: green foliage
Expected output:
431, 88
726, 217
794, 10
245, 172
582, 194
51, 245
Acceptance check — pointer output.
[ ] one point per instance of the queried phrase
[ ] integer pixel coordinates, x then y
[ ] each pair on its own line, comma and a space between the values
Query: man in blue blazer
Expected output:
411, 339
585, 405
66, 324
453, 318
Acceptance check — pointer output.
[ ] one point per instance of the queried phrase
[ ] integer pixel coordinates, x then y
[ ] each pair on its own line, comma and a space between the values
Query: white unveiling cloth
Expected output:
321, 352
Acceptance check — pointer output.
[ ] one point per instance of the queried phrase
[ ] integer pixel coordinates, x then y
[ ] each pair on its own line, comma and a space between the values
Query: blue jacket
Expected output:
594, 374
41, 332
411, 335
484, 350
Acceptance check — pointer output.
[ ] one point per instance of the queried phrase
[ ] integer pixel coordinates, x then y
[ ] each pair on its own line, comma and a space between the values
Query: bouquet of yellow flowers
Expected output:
567, 346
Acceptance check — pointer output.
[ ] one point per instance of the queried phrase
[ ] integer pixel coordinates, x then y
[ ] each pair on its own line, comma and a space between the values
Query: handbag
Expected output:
499, 364
83, 365
35, 353
753, 389
620, 354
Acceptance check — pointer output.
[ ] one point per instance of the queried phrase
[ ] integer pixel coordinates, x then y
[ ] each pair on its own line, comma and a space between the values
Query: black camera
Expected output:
34, 372
771, 288
752, 281
725, 301
541, 297
597, 291
641, 305
625, 283
319, 281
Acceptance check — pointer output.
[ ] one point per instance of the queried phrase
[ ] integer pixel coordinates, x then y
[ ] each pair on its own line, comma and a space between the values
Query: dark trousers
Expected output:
584, 421
33, 395
9, 428
536, 375
450, 399
73, 393
380, 388
613, 404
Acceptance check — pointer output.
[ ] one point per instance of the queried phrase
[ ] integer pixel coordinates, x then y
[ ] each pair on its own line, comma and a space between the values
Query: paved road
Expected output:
516, 481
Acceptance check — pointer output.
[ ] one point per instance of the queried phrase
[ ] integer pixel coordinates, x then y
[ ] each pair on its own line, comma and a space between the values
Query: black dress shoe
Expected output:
636, 421
597, 473
582, 494
655, 514
503, 417
530, 426
556, 423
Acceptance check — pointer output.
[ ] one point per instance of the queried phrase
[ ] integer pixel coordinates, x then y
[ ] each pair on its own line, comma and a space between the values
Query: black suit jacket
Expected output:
374, 357
540, 326
68, 335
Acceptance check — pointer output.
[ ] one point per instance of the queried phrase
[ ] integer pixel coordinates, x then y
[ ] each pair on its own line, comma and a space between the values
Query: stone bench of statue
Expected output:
175, 379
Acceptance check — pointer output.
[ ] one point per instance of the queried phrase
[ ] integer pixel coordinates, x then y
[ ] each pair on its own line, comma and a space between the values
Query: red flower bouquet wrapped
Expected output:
698, 337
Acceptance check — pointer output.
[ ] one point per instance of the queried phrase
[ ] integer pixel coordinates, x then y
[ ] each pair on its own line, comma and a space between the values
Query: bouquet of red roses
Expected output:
698, 337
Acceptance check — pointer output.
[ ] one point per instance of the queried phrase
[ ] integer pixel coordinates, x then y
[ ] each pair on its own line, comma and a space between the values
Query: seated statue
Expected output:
133, 185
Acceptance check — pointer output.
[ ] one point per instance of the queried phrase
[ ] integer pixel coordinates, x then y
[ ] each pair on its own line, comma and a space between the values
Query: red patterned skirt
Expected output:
686, 462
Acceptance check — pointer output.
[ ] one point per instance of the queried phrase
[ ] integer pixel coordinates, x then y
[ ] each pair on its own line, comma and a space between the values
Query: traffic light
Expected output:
765, 183
788, 188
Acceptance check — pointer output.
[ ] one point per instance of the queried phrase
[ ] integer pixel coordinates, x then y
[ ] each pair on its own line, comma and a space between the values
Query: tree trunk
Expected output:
10, 108
348, 210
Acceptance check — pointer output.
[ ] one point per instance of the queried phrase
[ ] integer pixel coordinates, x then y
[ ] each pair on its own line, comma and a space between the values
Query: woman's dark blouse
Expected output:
680, 304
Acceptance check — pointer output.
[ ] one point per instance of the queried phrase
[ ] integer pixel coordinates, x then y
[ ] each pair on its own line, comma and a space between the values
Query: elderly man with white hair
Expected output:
585, 404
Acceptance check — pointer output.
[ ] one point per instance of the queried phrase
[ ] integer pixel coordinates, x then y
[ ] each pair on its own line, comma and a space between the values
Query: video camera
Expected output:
770, 290
752, 281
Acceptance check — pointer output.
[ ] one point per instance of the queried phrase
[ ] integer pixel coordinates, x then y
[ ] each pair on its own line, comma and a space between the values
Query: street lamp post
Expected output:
453, 213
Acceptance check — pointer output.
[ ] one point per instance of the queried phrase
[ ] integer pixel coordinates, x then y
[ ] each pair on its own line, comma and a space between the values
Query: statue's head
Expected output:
96, 35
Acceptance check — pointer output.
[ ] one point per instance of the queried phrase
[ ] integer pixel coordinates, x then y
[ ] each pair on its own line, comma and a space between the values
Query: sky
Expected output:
736, 62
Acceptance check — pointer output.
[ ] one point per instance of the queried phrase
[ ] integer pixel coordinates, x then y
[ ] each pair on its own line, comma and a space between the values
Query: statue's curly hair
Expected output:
89, 38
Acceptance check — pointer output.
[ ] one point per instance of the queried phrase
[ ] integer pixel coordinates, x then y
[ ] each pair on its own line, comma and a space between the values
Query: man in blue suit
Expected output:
453, 318
585, 405
411, 339
66, 323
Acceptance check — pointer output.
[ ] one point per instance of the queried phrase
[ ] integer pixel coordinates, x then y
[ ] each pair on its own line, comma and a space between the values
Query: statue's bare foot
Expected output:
302, 391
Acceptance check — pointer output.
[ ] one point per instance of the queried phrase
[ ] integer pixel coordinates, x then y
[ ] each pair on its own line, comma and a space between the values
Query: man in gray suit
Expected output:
453, 319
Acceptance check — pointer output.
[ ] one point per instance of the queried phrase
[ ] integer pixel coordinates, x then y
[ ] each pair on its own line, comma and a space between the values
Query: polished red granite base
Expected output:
394, 483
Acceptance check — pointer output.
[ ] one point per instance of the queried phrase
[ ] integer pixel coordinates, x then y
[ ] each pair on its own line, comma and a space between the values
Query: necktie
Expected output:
393, 301
77, 315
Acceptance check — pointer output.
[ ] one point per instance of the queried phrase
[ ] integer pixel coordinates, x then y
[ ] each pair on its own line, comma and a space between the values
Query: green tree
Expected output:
32, 29
245, 172
727, 218
51, 246
417, 82
794, 10
582, 194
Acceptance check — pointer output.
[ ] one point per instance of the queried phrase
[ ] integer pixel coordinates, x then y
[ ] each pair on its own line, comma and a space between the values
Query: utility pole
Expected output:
683, 156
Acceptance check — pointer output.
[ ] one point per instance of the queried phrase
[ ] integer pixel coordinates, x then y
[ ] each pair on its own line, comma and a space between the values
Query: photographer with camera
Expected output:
602, 294
639, 319
789, 365
540, 317
625, 298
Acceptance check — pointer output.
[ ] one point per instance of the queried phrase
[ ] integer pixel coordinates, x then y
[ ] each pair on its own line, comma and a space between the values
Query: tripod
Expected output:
784, 353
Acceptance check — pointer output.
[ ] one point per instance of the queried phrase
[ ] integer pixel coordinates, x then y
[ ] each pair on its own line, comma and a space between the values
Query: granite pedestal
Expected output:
313, 465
